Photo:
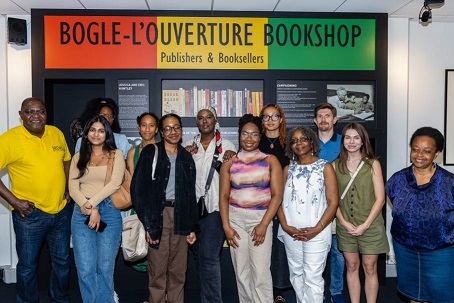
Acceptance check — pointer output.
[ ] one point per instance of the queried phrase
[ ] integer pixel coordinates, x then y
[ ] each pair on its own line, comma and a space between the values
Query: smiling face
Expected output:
325, 120
171, 130
107, 113
271, 118
97, 134
423, 152
249, 137
206, 121
148, 128
300, 144
352, 141
34, 116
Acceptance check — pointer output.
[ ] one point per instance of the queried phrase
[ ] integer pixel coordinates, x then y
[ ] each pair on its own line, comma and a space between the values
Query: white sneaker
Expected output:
116, 299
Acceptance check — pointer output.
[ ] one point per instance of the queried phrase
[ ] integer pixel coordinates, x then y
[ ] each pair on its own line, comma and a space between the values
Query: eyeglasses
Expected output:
31, 112
299, 140
109, 117
168, 129
273, 117
253, 135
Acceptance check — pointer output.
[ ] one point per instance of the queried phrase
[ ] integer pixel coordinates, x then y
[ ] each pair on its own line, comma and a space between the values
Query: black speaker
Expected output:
17, 31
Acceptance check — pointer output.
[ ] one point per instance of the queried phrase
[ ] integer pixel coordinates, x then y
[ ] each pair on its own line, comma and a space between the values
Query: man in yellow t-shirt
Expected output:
37, 158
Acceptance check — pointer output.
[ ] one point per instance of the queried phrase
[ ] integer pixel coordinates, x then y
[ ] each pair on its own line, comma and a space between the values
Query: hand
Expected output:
86, 209
191, 238
293, 232
231, 235
191, 148
258, 234
95, 218
23, 207
309, 233
66, 196
151, 241
358, 231
349, 227
228, 155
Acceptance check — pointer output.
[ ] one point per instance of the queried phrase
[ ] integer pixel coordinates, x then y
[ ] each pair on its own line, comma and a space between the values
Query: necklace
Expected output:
272, 142
353, 160
96, 159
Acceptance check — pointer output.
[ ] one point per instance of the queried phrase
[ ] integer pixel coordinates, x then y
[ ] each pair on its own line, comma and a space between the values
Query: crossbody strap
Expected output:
155, 161
212, 169
352, 179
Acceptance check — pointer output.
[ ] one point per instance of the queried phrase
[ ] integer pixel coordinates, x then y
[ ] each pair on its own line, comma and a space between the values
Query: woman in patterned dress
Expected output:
308, 208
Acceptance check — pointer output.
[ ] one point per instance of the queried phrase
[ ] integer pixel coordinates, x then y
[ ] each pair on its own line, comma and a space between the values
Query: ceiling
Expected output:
394, 8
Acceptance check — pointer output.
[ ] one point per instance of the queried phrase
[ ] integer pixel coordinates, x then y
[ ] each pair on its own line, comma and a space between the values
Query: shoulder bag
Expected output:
201, 206
134, 237
121, 199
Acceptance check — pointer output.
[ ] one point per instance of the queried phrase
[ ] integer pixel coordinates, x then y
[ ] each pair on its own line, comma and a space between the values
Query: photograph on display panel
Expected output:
354, 101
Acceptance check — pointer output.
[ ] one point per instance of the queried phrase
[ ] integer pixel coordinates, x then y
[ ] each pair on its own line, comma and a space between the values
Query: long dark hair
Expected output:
86, 148
94, 106
367, 152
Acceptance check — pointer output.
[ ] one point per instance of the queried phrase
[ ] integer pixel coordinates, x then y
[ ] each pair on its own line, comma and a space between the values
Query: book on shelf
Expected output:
227, 102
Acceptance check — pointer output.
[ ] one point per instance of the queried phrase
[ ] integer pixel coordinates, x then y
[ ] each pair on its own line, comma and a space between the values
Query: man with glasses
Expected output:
325, 117
37, 159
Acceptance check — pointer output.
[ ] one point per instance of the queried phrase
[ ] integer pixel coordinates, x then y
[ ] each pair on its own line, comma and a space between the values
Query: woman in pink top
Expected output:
250, 194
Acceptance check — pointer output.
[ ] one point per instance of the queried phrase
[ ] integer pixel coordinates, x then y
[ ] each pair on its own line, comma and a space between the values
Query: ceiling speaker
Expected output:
17, 31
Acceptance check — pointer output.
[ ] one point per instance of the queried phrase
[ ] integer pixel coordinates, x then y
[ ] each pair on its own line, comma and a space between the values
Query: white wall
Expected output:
15, 86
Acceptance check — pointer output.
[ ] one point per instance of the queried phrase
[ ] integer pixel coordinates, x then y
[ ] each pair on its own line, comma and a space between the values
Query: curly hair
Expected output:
306, 131
245, 119
431, 133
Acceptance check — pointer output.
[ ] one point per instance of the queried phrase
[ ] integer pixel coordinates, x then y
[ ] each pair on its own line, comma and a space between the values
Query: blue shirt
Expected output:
423, 216
330, 150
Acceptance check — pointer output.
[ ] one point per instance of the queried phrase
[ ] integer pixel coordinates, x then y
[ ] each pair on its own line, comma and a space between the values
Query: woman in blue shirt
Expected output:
423, 222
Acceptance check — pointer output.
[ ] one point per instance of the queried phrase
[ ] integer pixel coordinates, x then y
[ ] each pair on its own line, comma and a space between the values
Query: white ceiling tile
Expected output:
244, 5
61, 4
115, 4
308, 5
10, 8
371, 6
180, 5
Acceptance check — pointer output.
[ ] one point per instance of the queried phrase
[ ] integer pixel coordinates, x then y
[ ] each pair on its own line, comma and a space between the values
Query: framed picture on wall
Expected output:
230, 98
448, 155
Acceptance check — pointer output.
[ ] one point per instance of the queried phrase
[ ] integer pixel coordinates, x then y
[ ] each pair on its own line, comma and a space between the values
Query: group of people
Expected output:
274, 201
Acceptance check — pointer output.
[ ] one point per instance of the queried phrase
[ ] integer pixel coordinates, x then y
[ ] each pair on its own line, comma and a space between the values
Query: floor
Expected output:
131, 286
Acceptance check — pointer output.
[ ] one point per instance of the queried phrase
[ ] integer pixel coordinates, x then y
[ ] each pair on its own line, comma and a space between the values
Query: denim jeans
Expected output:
39, 227
337, 266
95, 253
207, 251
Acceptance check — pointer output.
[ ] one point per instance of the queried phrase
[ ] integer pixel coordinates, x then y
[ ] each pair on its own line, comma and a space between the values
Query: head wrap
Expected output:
217, 133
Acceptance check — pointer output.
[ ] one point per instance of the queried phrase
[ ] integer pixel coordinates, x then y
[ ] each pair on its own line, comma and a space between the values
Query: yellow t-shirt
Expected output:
35, 166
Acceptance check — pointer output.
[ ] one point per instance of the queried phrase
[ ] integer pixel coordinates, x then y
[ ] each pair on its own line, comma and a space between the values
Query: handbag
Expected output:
121, 199
133, 239
201, 206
